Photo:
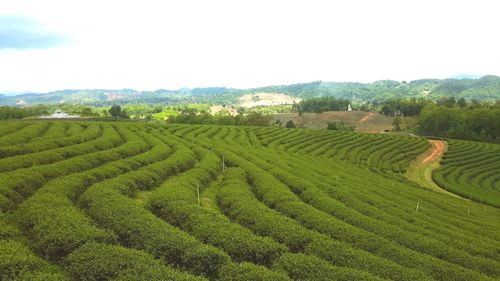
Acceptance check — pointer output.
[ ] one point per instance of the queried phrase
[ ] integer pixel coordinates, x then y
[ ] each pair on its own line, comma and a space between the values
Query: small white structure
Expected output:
349, 108
21, 103
58, 114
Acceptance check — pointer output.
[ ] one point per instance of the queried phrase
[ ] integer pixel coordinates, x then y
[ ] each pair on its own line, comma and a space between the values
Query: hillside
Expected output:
148, 201
472, 170
486, 88
363, 121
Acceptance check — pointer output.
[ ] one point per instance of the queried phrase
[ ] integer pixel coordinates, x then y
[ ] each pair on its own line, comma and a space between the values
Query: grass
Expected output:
420, 171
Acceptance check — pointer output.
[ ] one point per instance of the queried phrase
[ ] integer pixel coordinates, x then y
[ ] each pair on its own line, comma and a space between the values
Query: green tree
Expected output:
461, 102
124, 114
87, 112
290, 124
115, 111
397, 123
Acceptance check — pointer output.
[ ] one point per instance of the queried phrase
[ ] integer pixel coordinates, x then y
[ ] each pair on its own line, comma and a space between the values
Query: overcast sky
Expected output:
147, 45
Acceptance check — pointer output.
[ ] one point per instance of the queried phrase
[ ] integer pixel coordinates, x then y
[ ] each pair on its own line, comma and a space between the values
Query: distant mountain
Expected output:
465, 76
486, 88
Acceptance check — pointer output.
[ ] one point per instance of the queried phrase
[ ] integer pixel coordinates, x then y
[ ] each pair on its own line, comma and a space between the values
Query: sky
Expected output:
148, 45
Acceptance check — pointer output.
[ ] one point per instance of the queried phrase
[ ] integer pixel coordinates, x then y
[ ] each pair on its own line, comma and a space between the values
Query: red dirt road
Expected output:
436, 152
366, 117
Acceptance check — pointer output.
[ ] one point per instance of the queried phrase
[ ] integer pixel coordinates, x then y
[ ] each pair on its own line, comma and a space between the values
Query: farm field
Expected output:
149, 201
472, 170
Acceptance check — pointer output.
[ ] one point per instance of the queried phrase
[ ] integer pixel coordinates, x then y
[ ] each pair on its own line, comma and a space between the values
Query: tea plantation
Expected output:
146, 201
472, 170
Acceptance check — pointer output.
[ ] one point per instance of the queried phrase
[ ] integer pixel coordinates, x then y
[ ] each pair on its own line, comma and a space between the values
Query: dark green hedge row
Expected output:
305, 173
25, 134
470, 169
7, 230
9, 127
22, 183
279, 197
96, 262
341, 229
306, 267
237, 201
361, 149
138, 228
92, 131
18, 263
250, 272
175, 201
48, 156
56, 130
50, 218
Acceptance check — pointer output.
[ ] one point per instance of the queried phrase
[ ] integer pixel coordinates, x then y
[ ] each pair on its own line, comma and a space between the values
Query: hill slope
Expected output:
472, 170
486, 88
145, 201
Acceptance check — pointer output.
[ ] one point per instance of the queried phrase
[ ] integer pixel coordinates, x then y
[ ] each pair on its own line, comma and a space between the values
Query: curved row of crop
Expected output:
327, 225
25, 133
19, 184
470, 169
279, 208
50, 218
90, 132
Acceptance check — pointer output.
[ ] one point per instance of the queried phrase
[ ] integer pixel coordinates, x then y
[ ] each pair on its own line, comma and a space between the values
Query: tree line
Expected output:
194, 116
11, 112
475, 123
321, 104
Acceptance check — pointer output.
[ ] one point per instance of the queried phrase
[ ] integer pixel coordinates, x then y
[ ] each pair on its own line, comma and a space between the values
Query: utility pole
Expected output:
198, 191
223, 164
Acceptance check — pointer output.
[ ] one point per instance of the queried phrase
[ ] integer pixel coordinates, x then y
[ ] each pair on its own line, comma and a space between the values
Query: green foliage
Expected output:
306, 267
321, 104
174, 202
405, 107
95, 261
474, 123
471, 169
340, 126
289, 124
397, 124
250, 272
193, 116
483, 89
17, 262
10, 112
154, 201
116, 111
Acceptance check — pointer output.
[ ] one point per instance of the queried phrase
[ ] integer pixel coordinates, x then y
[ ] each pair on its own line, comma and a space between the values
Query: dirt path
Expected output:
420, 170
437, 152
366, 117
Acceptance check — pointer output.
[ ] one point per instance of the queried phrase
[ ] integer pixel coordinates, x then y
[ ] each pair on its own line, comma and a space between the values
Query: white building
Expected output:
58, 114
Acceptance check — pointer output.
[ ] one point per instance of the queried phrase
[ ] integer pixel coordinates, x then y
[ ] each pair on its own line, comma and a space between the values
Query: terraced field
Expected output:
471, 170
139, 201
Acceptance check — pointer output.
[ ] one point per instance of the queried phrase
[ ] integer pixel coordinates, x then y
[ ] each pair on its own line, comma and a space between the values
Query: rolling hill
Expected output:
148, 201
486, 88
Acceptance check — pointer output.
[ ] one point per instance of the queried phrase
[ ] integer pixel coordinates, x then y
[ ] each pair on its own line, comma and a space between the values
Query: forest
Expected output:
481, 123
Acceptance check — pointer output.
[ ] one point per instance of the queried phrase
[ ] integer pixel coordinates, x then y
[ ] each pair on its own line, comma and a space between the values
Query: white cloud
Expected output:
172, 44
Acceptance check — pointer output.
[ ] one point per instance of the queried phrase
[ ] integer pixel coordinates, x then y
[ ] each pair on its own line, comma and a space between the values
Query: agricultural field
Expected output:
471, 170
149, 201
